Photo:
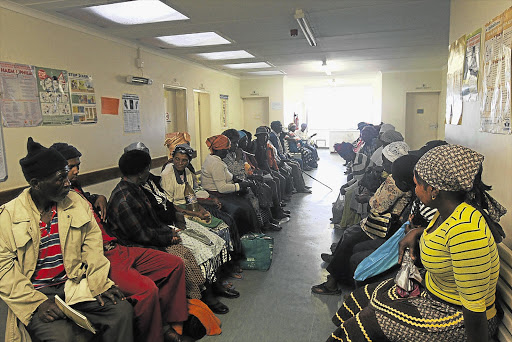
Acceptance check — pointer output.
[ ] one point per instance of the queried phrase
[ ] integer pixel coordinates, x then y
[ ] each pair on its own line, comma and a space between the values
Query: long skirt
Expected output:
376, 313
194, 279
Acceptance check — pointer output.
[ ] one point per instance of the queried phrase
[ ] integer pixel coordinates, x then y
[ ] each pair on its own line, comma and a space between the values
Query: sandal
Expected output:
321, 289
237, 276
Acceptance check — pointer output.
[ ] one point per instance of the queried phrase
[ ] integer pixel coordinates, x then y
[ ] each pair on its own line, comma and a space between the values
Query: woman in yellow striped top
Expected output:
458, 250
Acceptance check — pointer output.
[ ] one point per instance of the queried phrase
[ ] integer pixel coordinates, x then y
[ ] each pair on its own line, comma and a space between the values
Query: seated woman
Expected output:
456, 301
218, 181
293, 144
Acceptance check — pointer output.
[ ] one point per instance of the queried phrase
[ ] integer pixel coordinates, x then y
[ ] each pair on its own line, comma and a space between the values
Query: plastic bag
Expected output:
382, 259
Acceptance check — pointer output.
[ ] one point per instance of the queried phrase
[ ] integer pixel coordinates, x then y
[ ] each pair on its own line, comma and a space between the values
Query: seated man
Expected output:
35, 267
137, 271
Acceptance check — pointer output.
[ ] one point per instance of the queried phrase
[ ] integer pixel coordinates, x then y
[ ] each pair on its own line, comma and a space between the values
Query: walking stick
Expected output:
307, 174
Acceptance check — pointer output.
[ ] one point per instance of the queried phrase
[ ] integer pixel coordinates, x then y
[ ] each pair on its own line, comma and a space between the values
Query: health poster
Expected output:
19, 103
471, 67
53, 90
224, 110
131, 112
494, 92
83, 99
454, 82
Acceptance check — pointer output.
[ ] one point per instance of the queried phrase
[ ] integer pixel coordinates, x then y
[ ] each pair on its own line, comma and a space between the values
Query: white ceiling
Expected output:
355, 36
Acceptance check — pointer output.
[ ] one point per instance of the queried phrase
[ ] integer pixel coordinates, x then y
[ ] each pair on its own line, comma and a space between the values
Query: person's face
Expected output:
423, 192
144, 176
261, 139
386, 164
180, 161
55, 187
234, 144
74, 169
242, 143
278, 127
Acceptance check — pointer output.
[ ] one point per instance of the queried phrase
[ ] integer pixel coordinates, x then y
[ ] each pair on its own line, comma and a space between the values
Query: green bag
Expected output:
258, 251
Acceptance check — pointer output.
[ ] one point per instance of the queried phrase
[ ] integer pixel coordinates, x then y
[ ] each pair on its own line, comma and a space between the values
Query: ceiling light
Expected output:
266, 73
136, 12
194, 39
325, 67
225, 55
304, 26
256, 65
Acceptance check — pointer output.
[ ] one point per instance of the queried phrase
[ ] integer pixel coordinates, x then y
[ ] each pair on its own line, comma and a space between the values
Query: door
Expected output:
203, 124
255, 113
422, 111
176, 109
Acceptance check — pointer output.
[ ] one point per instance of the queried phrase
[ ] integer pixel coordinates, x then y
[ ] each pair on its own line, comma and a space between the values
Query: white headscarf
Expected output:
395, 150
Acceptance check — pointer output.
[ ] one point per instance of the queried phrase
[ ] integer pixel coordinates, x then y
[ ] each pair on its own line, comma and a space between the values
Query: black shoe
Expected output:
282, 204
287, 212
326, 257
218, 308
281, 215
227, 293
272, 227
307, 187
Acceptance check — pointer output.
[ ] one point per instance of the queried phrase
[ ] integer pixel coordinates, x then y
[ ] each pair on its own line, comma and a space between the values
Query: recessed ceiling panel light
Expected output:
257, 65
266, 73
225, 55
136, 12
194, 39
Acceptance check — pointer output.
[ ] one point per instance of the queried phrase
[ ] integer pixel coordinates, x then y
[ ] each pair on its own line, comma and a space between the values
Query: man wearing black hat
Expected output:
50, 245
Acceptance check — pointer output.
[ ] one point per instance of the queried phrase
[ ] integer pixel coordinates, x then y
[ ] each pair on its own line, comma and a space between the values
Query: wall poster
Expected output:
471, 67
83, 99
454, 82
224, 110
131, 112
54, 96
19, 103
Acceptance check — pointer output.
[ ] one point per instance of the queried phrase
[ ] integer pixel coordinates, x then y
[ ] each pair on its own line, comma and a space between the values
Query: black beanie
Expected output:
134, 162
68, 151
403, 170
41, 162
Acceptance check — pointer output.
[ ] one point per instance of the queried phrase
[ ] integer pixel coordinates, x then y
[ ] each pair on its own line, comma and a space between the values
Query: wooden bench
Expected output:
504, 293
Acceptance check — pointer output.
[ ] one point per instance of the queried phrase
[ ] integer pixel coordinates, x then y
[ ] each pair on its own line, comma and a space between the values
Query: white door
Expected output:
255, 113
421, 118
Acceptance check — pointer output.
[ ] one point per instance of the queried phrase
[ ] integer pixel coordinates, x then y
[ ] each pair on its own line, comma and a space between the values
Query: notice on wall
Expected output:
52, 85
3, 160
131, 112
19, 103
454, 82
471, 67
109, 105
83, 99
494, 93
224, 110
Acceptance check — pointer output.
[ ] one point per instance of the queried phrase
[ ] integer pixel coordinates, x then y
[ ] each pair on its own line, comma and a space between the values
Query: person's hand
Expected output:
410, 241
203, 214
101, 205
217, 202
111, 294
48, 311
244, 185
175, 237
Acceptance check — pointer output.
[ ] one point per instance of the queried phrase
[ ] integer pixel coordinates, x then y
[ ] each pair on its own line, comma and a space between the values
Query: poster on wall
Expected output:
3, 160
224, 110
52, 85
494, 93
131, 112
19, 103
83, 98
454, 82
471, 67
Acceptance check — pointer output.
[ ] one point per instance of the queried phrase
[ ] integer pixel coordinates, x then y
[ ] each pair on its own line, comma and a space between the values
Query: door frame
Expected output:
174, 87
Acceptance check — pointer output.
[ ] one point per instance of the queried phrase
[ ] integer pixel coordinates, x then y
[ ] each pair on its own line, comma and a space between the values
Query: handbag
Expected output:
376, 225
258, 250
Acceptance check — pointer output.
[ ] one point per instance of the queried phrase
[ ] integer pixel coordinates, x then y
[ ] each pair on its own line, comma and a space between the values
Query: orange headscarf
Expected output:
218, 142
174, 139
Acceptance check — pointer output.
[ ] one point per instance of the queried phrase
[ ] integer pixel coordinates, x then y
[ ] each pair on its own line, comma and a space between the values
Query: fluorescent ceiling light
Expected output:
300, 16
137, 12
265, 73
256, 65
226, 55
194, 39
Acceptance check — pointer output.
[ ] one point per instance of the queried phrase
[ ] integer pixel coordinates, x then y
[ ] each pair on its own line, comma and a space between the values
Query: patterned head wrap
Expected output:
174, 139
454, 168
184, 149
395, 150
218, 142
391, 136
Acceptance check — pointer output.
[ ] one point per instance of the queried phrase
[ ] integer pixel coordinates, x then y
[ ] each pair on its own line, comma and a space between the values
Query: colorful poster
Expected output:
454, 82
471, 67
494, 92
131, 111
83, 99
52, 85
19, 103
224, 110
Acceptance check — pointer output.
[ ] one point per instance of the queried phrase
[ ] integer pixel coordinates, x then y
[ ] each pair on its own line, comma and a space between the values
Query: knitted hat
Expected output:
40, 162
391, 136
68, 151
134, 162
386, 127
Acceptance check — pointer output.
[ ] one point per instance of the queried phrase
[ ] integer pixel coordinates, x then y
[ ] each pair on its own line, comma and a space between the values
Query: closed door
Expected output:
422, 111
203, 124
255, 113
176, 110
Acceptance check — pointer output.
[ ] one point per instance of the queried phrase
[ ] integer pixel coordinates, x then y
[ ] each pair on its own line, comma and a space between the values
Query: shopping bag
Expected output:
258, 250
382, 259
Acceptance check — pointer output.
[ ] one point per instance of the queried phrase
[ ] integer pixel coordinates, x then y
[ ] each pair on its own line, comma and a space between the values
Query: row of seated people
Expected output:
144, 246
451, 225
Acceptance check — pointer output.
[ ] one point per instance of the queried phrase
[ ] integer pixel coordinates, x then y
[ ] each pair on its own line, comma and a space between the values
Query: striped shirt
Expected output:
461, 259
50, 266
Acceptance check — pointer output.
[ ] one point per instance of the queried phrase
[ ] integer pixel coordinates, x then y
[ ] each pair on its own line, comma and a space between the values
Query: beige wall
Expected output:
33, 38
395, 86
271, 87
465, 17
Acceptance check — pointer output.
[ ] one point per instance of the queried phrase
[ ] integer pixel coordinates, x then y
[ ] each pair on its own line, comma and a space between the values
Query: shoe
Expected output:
307, 168
326, 257
307, 187
281, 215
218, 308
227, 293
305, 191
286, 219
272, 227
274, 221
172, 336
287, 212
321, 289
333, 247
282, 204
